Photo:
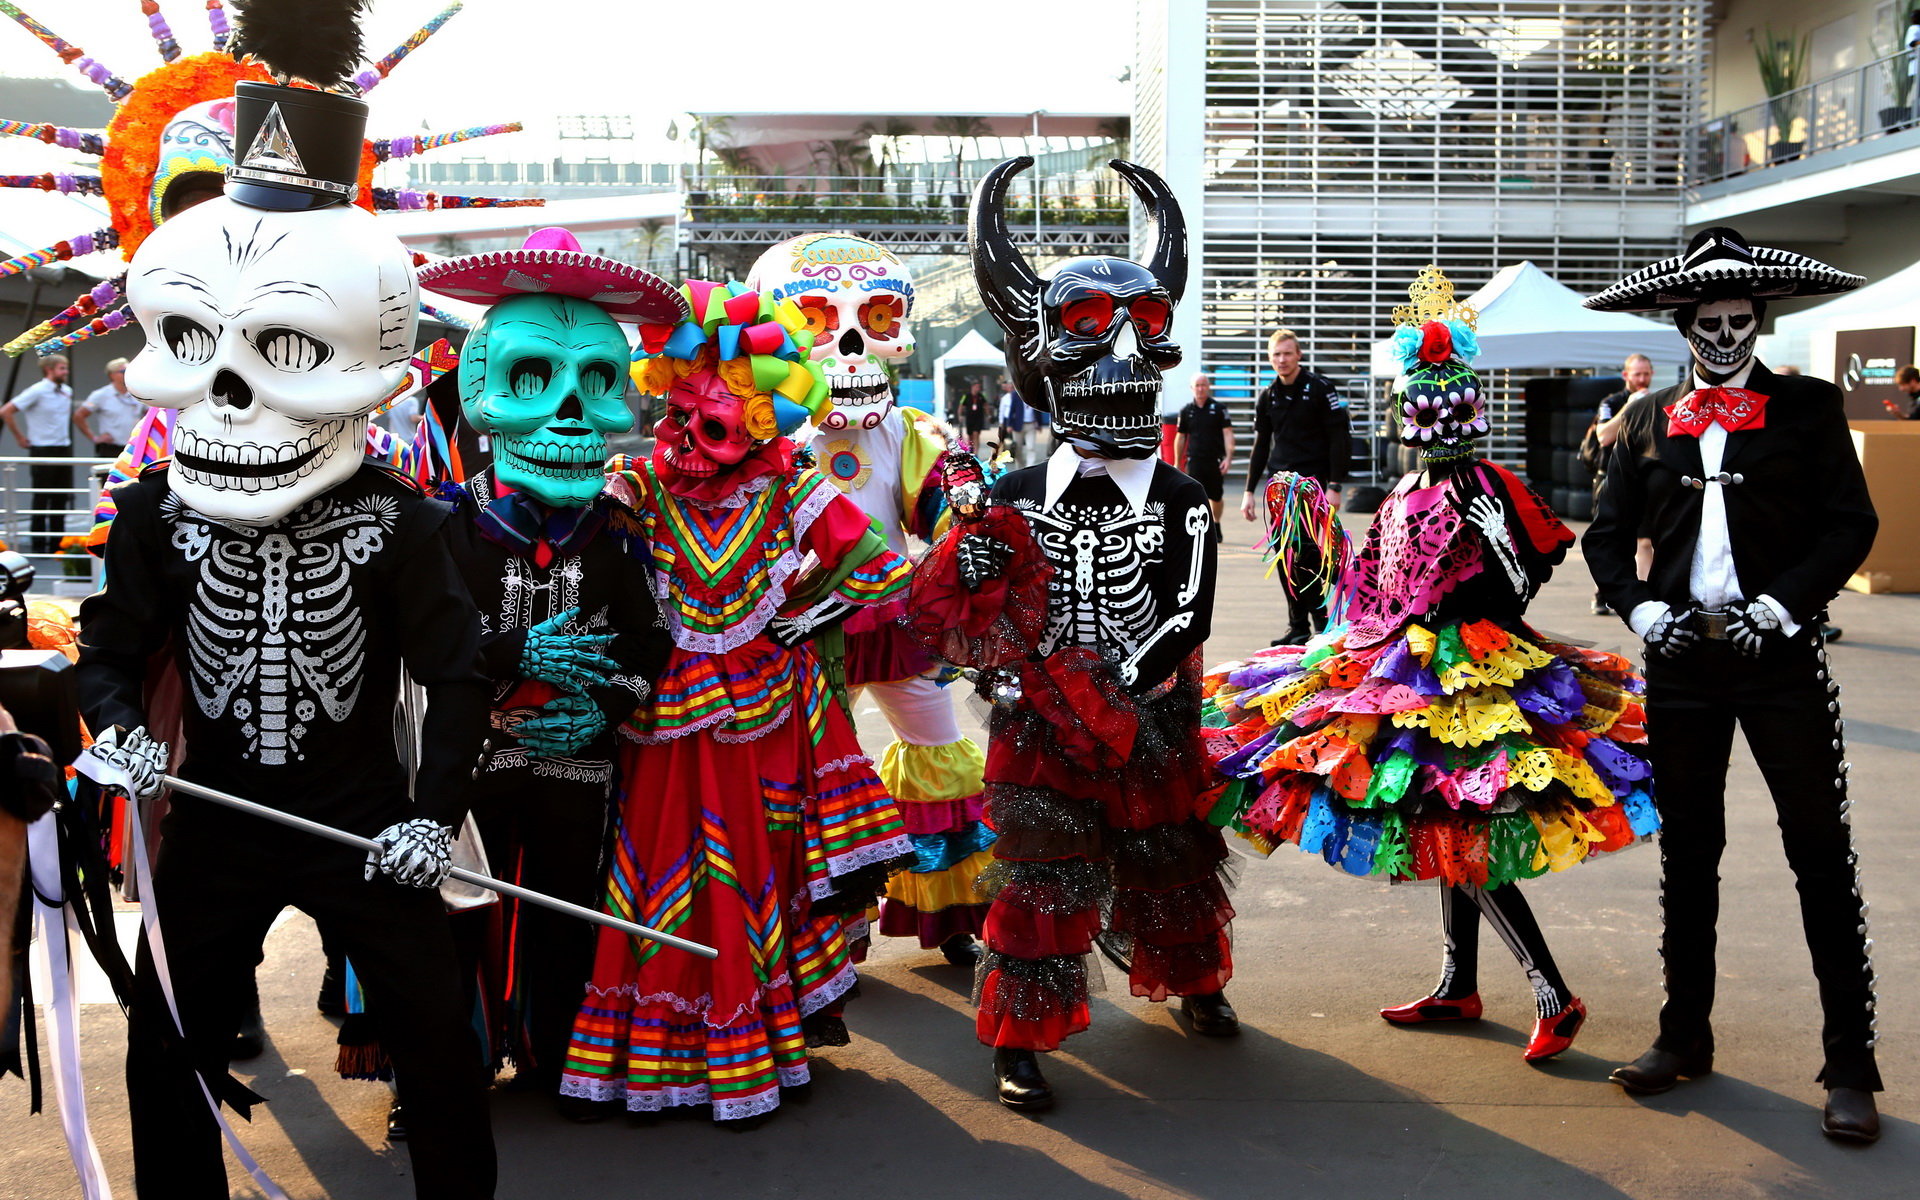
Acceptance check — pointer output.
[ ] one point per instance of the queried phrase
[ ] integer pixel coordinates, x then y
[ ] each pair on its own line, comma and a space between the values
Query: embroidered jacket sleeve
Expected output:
439, 631
1838, 486
126, 623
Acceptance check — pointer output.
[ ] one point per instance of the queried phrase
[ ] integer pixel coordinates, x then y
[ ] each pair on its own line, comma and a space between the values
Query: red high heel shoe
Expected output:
1433, 1009
1553, 1034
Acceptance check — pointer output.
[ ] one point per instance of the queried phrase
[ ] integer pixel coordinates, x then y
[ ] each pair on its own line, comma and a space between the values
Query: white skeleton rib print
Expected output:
276, 637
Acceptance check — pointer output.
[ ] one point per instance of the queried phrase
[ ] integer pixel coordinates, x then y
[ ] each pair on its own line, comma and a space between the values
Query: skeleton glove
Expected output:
565, 724
416, 853
1752, 626
138, 753
1670, 636
569, 660
1485, 515
981, 559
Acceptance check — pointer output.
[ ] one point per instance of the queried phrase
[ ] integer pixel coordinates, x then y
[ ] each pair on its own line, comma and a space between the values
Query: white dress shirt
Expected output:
1133, 476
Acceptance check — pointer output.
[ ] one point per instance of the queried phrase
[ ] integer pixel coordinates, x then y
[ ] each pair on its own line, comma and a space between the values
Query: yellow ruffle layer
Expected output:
938, 890
932, 774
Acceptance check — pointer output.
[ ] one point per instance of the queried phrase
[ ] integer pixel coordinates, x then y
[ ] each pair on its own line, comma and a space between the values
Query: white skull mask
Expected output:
274, 334
857, 298
1722, 334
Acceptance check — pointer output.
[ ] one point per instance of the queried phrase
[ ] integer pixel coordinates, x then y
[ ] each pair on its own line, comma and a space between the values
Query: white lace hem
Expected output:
828, 992
866, 856
608, 1091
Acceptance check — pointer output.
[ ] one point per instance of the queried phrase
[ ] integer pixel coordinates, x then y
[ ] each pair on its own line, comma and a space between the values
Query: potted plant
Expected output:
1783, 72
1896, 63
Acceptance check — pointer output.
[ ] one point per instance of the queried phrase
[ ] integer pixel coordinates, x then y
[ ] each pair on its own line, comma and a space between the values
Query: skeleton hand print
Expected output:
1484, 513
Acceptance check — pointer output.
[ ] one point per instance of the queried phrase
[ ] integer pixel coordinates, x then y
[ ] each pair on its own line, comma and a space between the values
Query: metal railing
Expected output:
855, 201
1843, 109
46, 524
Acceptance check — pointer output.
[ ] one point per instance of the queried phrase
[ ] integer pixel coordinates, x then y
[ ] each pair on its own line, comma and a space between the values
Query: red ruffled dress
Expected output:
1096, 794
748, 817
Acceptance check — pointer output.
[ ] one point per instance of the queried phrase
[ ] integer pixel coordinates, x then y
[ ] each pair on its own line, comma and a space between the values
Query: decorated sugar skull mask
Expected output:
857, 299
1721, 333
1088, 344
546, 377
1442, 411
196, 148
705, 430
274, 334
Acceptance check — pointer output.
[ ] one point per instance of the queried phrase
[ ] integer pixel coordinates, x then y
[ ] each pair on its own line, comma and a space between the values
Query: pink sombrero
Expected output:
552, 263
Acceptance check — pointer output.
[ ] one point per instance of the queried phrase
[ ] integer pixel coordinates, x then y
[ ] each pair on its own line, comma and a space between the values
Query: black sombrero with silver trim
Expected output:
1719, 260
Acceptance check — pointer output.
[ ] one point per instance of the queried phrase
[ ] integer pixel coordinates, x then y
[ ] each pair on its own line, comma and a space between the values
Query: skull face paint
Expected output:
274, 334
705, 429
857, 298
1442, 411
546, 376
1088, 344
1722, 334
196, 148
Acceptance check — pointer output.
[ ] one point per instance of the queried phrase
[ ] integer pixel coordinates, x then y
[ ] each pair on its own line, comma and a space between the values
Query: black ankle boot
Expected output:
1211, 1015
961, 950
1019, 1083
332, 1000
251, 1038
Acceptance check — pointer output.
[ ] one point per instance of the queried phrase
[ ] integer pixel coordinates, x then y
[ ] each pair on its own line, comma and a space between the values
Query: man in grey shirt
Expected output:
47, 407
108, 416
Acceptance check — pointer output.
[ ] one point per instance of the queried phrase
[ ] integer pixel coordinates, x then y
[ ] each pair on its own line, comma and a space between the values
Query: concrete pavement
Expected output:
1318, 1098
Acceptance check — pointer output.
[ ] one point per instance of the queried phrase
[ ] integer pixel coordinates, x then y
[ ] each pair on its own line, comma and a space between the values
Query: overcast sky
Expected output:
501, 60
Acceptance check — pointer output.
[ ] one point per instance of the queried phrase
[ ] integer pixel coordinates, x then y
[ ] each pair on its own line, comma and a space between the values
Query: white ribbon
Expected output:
108, 775
61, 1008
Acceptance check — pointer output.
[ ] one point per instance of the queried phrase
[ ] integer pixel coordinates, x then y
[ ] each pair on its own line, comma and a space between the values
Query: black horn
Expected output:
1008, 285
1169, 260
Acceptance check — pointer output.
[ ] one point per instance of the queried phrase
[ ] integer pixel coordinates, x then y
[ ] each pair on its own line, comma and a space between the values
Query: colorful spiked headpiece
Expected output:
759, 345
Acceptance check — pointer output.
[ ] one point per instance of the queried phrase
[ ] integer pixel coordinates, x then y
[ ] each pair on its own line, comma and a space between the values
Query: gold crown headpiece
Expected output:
1430, 298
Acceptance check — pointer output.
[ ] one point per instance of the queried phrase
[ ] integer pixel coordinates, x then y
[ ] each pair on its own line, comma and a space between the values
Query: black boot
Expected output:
1018, 1080
1658, 1070
1211, 1015
1851, 1116
961, 950
396, 1122
251, 1038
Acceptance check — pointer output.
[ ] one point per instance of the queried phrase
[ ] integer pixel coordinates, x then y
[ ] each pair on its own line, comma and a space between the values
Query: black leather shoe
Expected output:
961, 950
1658, 1070
1211, 1015
1019, 1083
396, 1123
1851, 1116
251, 1038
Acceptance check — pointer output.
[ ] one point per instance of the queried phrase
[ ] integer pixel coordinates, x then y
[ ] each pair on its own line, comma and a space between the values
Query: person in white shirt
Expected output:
107, 417
1748, 485
38, 420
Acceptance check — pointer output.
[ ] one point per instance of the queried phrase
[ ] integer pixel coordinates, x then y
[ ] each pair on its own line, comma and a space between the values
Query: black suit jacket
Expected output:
1800, 522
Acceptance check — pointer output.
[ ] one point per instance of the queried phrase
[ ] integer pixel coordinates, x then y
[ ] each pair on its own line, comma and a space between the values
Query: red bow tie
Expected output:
1733, 408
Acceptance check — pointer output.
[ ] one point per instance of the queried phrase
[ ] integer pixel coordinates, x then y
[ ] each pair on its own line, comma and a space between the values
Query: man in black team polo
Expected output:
1299, 425
1203, 444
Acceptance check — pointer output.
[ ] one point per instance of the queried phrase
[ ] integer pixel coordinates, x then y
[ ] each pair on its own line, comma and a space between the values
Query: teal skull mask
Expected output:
545, 377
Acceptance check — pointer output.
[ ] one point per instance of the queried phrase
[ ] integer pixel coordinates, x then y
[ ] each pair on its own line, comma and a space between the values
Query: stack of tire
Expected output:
1559, 409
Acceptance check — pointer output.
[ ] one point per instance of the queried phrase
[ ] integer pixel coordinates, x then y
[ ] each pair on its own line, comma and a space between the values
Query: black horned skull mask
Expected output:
1088, 344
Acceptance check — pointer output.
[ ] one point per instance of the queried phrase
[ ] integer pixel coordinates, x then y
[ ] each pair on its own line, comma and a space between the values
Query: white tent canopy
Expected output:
972, 350
1807, 337
1529, 319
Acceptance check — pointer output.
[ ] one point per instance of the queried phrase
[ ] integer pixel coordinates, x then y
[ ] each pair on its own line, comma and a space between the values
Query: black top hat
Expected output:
295, 148
1720, 261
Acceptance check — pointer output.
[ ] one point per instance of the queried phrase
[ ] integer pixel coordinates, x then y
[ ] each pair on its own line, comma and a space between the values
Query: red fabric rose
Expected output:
1436, 342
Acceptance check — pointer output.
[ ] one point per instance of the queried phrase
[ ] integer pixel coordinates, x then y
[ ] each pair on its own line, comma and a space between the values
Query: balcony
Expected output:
1798, 160
919, 214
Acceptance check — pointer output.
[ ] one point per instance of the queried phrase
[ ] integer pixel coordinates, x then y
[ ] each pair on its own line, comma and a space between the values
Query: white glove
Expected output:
138, 753
1669, 636
1751, 626
416, 853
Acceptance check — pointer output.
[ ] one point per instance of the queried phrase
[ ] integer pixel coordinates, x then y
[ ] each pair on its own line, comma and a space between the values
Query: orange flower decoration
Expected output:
881, 317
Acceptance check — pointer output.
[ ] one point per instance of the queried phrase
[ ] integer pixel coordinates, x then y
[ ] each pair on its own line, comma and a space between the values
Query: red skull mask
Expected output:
705, 430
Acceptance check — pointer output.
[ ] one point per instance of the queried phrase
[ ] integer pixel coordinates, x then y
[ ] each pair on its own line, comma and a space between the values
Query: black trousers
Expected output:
52, 485
549, 835
1306, 595
1787, 704
220, 881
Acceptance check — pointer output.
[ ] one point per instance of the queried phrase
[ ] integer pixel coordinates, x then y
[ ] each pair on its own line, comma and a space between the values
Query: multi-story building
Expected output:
1335, 147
